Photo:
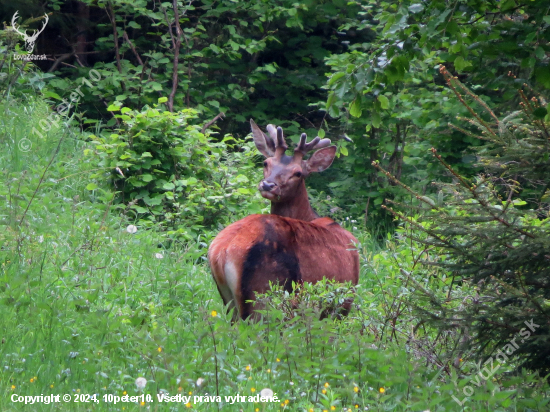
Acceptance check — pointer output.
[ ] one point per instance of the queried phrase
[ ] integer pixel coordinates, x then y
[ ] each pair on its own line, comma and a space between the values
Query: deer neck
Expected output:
297, 207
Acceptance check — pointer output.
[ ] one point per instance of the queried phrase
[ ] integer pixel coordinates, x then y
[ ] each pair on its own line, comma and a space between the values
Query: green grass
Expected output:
87, 307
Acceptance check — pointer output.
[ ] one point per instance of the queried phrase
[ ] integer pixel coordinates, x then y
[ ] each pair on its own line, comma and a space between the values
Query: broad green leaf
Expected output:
375, 119
461, 64
355, 108
335, 77
539, 113
331, 99
321, 133
384, 102
91, 186
162, 100
416, 8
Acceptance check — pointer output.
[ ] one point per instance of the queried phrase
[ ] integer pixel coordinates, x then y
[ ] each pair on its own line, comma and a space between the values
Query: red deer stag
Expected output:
292, 244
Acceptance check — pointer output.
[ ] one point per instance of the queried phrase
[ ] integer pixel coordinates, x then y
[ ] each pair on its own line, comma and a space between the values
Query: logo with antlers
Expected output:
29, 40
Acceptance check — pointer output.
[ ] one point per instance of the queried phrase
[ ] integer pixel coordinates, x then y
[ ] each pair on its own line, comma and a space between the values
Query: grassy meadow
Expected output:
87, 307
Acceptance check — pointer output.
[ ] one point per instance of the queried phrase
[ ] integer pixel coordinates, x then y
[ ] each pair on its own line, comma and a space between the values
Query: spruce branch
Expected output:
450, 81
424, 199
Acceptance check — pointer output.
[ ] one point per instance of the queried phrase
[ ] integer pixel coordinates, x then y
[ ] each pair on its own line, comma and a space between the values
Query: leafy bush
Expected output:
165, 169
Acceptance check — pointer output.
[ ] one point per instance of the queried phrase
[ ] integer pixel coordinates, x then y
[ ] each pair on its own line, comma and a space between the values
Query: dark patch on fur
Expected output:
268, 260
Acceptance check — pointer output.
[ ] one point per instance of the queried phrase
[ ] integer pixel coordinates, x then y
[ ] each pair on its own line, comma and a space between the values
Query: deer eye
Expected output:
265, 164
298, 174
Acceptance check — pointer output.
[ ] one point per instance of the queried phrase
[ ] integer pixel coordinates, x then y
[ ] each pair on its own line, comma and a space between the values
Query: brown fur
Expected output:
321, 248
292, 244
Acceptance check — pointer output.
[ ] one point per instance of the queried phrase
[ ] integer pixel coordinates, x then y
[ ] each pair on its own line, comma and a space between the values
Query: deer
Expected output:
29, 40
292, 244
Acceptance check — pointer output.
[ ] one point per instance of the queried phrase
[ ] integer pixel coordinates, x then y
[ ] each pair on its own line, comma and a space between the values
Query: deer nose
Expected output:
267, 186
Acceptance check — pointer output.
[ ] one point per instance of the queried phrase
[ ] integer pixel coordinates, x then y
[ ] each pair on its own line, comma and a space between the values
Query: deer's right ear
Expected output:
263, 143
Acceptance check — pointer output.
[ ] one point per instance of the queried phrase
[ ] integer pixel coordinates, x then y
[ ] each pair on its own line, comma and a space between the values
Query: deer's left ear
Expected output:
321, 160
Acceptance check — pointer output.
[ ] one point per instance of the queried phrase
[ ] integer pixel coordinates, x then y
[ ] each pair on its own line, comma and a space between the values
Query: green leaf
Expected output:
331, 99
321, 133
335, 77
113, 108
539, 52
355, 108
539, 113
461, 64
52, 95
162, 100
375, 119
134, 25
155, 86
416, 8
344, 151
91, 186
384, 102
542, 74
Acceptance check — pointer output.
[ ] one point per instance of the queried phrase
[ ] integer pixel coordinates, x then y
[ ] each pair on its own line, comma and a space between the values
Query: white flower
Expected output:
291, 383
40, 239
354, 227
131, 229
141, 382
159, 255
266, 393
200, 381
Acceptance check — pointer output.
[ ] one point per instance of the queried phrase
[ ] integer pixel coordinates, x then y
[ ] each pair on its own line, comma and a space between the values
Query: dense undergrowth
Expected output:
87, 307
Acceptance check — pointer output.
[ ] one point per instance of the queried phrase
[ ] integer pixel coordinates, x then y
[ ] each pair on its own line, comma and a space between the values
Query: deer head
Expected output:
283, 182
29, 40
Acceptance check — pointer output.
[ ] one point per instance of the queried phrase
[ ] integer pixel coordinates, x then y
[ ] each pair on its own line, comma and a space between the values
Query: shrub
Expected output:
165, 169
